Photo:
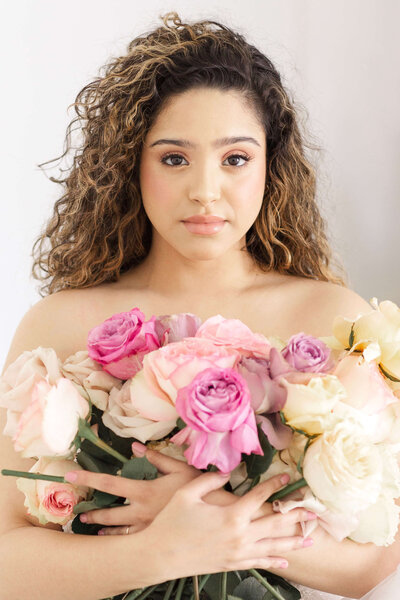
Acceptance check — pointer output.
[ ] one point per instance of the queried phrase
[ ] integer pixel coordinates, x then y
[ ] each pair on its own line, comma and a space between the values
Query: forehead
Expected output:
206, 111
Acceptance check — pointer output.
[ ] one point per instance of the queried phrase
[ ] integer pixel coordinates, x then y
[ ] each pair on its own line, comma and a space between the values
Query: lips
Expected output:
204, 219
204, 225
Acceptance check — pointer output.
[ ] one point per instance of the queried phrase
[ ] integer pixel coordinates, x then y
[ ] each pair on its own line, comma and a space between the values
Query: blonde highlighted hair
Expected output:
99, 228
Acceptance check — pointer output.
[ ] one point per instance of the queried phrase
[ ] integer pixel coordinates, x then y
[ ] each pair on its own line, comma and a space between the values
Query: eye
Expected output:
172, 156
240, 156
179, 157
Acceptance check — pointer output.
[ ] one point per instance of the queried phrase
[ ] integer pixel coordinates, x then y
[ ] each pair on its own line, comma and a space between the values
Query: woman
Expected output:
191, 193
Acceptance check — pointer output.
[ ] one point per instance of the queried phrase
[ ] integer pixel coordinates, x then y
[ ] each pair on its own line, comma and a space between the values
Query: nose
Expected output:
204, 186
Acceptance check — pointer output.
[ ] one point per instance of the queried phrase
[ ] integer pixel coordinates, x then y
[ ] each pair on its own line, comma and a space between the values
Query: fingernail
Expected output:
100, 532
138, 449
285, 479
71, 476
223, 475
83, 518
284, 564
307, 542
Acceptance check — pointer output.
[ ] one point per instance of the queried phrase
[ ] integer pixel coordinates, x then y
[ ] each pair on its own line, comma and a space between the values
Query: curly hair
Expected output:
99, 228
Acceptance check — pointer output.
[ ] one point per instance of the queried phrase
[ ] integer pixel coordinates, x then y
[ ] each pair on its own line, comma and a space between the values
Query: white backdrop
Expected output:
340, 59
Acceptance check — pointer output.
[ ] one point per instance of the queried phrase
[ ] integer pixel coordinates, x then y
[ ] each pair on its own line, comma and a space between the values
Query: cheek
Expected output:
157, 191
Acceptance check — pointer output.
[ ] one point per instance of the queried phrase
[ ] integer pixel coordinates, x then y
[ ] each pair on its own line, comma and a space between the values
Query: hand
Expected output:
146, 498
199, 537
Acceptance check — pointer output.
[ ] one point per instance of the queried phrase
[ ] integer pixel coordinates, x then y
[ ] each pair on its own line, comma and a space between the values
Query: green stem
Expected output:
145, 593
28, 475
133, 594
202, 583
224, 577
86, 432
267, 585
169, 589
286, 490
179, 589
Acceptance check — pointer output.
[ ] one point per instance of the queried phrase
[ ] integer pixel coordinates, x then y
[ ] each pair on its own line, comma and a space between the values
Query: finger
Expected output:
266, 563
122, 530
282, 545
202, 485
167, 464
252, 500
277, 523
113, 484
109, 516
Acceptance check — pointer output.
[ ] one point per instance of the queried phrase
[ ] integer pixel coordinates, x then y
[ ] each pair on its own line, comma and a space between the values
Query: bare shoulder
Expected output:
323, 301
60, 321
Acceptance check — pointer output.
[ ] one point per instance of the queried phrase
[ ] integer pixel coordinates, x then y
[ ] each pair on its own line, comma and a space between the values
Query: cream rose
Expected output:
380, 326
313, 408
50, 501
49, 424
90, 377
20, 378
344, 469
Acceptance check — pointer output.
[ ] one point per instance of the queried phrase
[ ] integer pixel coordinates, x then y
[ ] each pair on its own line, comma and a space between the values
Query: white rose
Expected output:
312, 408
344, 469
378, 523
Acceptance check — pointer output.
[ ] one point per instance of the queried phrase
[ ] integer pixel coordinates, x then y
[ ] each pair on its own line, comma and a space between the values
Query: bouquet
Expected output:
325, 411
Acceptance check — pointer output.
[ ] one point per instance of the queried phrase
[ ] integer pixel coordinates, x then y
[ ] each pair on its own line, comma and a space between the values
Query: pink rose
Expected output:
220, 421
172, 367
121, 342
48, 501
49, 424
307, 353
20, 378
267, 396
235, 334
174, 328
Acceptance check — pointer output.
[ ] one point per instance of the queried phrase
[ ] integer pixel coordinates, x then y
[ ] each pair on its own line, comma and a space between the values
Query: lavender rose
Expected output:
220, 421
121, 342
308, 354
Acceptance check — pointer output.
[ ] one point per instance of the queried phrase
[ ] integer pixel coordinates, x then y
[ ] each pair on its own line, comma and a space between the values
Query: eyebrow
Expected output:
225, 141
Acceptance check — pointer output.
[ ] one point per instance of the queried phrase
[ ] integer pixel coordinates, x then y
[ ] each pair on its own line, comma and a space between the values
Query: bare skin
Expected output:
206, 275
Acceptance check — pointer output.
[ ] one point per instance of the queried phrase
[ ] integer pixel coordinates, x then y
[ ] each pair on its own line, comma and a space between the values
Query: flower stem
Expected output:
267, 585
203, 581
29, 475
224, 577
286, 490
179, 589
87, 433
196, 587
169, 589
144, 593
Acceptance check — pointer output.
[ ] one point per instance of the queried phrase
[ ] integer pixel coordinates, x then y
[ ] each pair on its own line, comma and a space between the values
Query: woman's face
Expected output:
201, 190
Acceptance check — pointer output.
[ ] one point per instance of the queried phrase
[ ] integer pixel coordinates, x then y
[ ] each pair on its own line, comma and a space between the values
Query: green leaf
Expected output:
85, 528
258, 464
139, 468
230, 597
351, 336
213, 584
92, 463
99, 500
180, 423
96, 452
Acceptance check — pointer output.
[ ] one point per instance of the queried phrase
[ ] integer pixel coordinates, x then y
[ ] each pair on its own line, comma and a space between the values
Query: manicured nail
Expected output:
284, 564
71, 476
307, 542
100, 532
138, 449
285, 479
83, 518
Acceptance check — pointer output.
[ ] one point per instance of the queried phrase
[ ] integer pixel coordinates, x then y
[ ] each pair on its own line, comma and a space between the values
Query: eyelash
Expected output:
173, 155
